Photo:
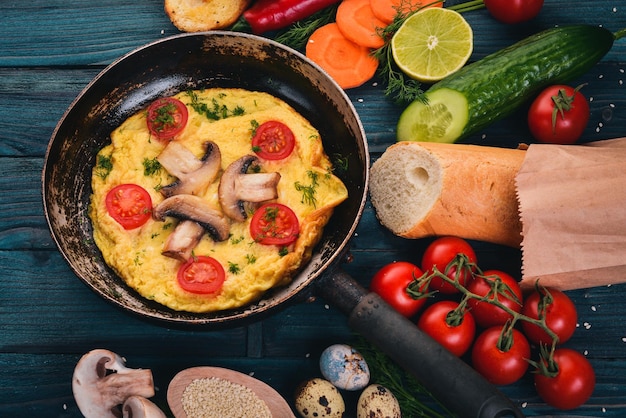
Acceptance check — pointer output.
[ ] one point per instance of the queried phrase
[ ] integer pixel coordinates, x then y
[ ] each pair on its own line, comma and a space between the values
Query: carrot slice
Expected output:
357, 22
386, 10
349, 64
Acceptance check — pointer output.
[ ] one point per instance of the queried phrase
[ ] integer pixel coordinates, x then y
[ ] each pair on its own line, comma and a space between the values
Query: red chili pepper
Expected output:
268, 15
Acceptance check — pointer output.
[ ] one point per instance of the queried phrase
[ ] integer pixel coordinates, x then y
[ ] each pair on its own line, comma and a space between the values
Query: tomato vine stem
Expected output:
497, 289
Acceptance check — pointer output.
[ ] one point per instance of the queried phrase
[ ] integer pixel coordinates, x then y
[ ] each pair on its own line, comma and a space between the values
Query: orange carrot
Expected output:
357, 22
349, 64
386, 10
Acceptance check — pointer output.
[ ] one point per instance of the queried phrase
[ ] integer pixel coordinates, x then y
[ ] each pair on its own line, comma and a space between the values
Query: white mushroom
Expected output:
193, 174
239, 189
140, 407
181, 242
102, 382
194, 208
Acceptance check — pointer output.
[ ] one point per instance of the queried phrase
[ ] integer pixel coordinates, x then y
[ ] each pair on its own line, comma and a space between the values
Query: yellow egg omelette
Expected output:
205, 183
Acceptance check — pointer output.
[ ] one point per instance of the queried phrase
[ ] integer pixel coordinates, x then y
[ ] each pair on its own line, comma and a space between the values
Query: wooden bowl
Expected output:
277, 405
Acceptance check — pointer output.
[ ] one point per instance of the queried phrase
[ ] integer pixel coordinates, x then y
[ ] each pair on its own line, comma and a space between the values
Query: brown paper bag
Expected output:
572, 203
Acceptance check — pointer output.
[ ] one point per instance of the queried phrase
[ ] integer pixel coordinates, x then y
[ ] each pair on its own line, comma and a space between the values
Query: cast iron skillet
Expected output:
226, 59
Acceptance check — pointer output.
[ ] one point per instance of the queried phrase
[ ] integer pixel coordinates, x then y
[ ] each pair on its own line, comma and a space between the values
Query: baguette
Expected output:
203, 15
423, 189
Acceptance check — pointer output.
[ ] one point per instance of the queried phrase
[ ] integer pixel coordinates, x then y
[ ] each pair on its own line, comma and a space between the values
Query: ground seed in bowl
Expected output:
213, 397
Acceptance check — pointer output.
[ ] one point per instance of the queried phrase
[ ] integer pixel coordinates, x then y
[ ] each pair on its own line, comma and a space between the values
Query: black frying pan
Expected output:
226, 59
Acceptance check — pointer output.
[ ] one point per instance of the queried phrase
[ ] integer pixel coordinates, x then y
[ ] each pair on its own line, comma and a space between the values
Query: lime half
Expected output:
432, 43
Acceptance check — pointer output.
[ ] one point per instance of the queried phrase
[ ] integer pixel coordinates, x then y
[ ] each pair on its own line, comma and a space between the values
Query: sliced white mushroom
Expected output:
193, 174
102, 382
193, 208
140, 407
181, 242
240, 191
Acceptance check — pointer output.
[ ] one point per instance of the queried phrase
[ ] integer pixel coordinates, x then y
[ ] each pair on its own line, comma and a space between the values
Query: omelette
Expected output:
207, 199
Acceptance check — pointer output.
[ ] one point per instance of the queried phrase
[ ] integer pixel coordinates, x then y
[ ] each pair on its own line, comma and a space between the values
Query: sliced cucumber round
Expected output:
441, 118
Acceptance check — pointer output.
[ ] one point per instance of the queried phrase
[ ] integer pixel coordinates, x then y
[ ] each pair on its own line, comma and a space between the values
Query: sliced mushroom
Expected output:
193, 208
193, 174
140, 407
102, 382
239, 191
181, 242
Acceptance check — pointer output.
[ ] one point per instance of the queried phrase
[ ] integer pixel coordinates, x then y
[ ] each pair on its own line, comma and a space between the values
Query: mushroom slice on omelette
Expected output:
207, 199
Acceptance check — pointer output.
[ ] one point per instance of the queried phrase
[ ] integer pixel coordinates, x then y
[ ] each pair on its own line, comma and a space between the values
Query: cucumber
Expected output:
495, 86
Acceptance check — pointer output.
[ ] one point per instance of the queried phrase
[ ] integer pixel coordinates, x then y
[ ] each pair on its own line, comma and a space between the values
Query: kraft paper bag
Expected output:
572, 201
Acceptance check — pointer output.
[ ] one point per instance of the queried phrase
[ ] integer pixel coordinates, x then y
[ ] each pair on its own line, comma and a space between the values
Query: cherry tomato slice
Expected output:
202, 275
273, 140
129, 204
274, 224
167, 117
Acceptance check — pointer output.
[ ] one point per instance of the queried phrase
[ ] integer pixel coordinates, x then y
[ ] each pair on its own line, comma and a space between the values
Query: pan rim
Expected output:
165, 315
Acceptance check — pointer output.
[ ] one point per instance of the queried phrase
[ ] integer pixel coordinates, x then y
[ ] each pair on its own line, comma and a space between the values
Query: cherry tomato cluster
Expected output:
485, 317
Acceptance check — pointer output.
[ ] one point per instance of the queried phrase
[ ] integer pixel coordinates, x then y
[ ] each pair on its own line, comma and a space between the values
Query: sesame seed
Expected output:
220, 398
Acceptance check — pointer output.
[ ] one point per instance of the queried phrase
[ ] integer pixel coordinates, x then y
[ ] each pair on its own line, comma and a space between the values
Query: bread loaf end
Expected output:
428, 189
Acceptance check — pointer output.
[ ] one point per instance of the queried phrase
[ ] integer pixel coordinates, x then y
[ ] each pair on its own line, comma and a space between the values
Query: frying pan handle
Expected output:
452, 381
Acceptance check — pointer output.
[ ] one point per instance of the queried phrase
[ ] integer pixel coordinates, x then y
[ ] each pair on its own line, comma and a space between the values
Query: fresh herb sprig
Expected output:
399, 87
297, 35
413, 398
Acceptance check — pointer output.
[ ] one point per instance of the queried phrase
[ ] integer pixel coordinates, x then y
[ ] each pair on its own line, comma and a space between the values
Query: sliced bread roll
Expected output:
203, 15
429, 189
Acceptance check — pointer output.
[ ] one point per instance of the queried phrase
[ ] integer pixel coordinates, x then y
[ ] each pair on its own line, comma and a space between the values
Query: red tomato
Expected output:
500, 367
558, 115
513, 11
202, 275
510, 295
573, 384
390, 283
167, 117
129, 204
560, 314
273, 140
439, 254
274, 224
456, 338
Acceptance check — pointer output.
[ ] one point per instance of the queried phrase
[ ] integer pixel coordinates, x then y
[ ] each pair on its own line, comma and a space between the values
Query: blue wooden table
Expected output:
51, 49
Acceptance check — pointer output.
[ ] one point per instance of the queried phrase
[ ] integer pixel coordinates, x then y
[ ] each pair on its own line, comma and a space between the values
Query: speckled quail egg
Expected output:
344, 367
377, 401
318, 398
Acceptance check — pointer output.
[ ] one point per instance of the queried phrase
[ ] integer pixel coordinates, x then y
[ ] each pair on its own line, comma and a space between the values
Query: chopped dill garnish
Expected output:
251, 258
151, 167
308, 192
255, 126
233, 268
104, 166
283, 251
234, 240
340, 162
214, 111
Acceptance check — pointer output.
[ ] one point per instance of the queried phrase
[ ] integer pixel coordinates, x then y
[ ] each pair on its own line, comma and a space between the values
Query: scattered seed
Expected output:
220, 398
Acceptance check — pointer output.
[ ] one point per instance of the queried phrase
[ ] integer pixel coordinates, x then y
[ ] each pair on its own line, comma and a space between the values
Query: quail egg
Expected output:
344, 367
318, 398
376, 401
